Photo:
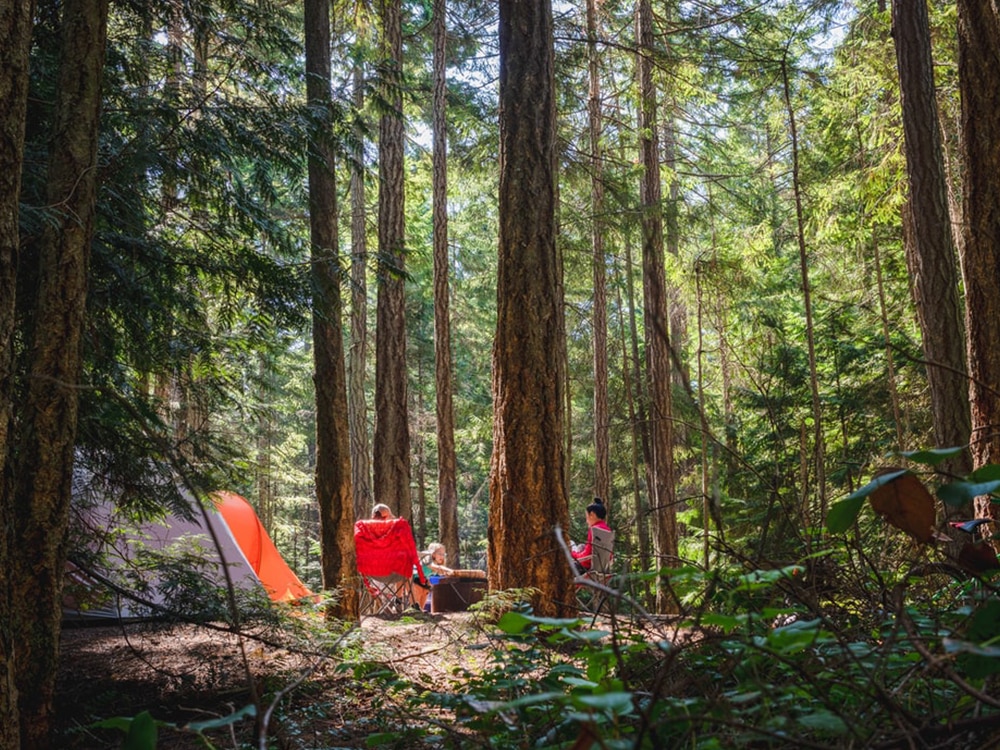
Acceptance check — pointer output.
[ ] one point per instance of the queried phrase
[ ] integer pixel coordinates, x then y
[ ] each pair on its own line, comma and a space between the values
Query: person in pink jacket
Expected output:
582, 553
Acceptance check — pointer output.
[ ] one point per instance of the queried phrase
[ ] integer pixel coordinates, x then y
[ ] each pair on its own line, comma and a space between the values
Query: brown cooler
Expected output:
456, 592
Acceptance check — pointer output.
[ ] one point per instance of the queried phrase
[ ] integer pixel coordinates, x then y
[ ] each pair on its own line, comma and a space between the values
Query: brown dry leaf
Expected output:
906, 504
978, 557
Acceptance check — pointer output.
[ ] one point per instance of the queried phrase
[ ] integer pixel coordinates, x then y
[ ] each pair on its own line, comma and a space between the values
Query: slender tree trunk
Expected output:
602, 422
979, 80
15, 44
678, 313
357, 363
420, 462
818, 457
706, 502
637, 417
930, 248
656, 318
43, 468
265, 429
527, 496
447, 468
889, 361
392, 433
333, 457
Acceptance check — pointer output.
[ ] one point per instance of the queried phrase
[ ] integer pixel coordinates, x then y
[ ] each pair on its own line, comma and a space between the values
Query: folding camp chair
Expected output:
593, 598
387, 558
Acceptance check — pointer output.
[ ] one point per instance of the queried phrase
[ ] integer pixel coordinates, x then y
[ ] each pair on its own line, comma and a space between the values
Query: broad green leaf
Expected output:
619, 702
141, 733
956, 646
727, 623
795, 637
986, 473
530, 700
962, 493
223, 721
513, 623
933, 456
823, 721
843, 514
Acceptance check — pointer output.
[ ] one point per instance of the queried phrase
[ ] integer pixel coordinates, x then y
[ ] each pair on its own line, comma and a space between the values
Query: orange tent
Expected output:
279, 580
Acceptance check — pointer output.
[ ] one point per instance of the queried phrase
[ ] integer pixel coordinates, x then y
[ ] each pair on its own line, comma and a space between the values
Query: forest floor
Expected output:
184, 673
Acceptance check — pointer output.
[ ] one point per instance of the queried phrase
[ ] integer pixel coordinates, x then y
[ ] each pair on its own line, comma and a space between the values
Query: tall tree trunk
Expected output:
602, 422
392, 433
638, 431
333, 458
43, 466
675, 304
979, 80
265, 435
447, 465
656, 319
818, 452
527, 496
357, 362
15, 44
930, 251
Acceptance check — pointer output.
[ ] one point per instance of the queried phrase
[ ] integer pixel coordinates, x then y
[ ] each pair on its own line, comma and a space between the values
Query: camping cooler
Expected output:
456, 592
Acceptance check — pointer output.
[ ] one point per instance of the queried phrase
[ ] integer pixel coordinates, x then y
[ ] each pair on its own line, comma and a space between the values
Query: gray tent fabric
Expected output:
123, 569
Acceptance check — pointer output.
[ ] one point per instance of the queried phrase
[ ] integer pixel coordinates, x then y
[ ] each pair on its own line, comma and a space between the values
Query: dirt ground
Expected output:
185, 673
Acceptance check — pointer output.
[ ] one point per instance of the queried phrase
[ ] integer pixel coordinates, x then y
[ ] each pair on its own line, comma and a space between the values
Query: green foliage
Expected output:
141, 731
740, 675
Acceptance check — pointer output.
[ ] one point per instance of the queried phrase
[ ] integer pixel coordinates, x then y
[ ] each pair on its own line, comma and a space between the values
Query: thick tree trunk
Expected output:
43, 463
931, 253
333, 463
656, 318
357, 360
447, 465
979, 80
392, 432
15, 44
527, 496
602, 422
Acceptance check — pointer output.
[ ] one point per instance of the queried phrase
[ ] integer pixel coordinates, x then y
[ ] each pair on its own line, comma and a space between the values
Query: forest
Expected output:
730, 267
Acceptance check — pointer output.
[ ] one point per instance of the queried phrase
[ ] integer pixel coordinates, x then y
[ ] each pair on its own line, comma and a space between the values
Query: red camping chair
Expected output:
387, 557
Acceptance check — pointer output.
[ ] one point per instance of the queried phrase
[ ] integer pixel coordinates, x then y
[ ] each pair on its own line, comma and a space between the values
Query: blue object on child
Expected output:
435, 580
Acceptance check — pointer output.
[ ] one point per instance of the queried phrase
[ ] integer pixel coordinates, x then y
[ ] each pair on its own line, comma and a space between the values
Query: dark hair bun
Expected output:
598, 501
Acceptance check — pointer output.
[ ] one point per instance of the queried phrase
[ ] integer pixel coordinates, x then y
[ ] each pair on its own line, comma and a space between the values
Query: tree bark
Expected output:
930, 248
527, 495
43, 465
602, 422
357, 406
979, 80
333, 464
392, 433
656, 319
447, 464
15, 44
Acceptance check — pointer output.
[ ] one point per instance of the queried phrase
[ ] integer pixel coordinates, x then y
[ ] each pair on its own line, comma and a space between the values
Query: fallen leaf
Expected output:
978, 557
906, 504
